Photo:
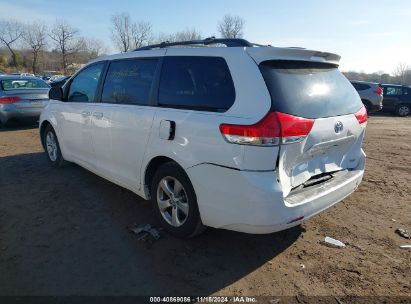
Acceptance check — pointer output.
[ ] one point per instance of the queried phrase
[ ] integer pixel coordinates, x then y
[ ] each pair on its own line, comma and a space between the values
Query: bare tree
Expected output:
231, 26
142, 33
93, 48
121, 31
35, 37
188, 34
401, 71
10, 32
66, 41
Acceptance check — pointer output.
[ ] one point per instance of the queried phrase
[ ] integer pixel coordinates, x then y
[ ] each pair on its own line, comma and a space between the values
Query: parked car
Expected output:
26, 100
22, 74
54, 78
397, 99
245, 138
59, 82
371, 94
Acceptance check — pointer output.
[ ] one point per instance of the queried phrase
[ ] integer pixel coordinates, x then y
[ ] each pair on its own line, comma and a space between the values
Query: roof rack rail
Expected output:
228, 42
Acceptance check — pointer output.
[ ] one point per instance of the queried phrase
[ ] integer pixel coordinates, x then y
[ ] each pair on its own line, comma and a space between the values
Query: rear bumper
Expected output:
253, 202
8, 112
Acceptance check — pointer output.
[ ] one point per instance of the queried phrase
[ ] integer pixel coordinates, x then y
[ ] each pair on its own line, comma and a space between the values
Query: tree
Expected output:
141, 34
231, 26
10, 32
121, 31
66, 41
401, 71
35, 37
188, 34
93, 48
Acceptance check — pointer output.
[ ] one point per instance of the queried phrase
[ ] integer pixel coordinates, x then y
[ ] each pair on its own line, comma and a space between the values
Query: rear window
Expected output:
198, 83
360, 86
309, 89
23, 84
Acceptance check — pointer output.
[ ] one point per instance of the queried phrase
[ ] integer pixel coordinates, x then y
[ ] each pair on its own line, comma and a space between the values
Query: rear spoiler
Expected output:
260, 54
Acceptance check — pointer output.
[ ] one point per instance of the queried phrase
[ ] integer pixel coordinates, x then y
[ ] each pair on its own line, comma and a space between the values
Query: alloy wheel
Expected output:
172, 201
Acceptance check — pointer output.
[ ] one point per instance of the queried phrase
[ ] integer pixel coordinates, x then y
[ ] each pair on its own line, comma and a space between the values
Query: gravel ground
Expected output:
65, 232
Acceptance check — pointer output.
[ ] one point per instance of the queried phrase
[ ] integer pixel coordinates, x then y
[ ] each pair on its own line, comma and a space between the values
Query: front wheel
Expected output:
403, 110
52, 147
175, 202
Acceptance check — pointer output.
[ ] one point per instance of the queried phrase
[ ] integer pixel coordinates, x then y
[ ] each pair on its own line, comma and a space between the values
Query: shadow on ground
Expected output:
64, 232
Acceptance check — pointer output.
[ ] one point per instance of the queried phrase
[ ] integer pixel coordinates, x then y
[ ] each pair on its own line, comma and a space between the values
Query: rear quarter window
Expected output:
309, 89
198, 83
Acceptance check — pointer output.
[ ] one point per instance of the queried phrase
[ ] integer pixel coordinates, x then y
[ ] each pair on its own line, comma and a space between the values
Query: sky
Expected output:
371, 36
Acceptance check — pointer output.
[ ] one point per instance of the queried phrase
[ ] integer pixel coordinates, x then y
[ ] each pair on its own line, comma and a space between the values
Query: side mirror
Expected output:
56, 93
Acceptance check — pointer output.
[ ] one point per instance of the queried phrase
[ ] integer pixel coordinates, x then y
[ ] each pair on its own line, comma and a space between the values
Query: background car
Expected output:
59, 82
397, 99
371, 94
24, 100
54, 78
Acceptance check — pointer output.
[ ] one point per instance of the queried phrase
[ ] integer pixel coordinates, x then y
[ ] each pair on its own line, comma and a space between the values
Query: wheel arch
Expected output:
44, 124
152, 167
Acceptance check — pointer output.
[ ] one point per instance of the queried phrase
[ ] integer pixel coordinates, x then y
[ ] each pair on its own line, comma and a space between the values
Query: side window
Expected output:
393, 91
129, 81
200, 83
84, 86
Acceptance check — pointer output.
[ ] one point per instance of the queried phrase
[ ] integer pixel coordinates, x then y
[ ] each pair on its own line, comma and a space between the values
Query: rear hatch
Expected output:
316, 94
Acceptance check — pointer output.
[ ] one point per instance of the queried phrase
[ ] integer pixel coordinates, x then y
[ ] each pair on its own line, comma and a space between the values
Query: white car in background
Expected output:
248, 138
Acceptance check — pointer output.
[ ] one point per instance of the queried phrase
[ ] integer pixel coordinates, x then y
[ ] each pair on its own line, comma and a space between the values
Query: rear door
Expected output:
122, 121
319, 92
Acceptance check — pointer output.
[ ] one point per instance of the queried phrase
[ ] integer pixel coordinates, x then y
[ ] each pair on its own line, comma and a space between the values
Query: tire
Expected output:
403, 110
367, 106
52, 147
175, 202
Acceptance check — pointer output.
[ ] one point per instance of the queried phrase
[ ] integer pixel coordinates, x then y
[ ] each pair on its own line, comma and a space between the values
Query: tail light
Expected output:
275, 128
9, 99
378, 90
361, 115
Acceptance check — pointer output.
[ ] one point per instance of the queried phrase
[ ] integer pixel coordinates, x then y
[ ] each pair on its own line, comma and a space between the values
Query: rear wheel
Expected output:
175, 202
52, 147
403, 110
367, 106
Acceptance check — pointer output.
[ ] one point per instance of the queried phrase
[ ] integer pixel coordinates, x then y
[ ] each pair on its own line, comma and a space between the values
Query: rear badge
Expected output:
338, 127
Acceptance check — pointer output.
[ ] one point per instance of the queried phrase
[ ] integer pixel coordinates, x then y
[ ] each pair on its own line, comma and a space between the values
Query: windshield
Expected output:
309, 89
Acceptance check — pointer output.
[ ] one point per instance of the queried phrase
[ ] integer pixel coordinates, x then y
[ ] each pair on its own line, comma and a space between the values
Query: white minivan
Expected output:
225, 133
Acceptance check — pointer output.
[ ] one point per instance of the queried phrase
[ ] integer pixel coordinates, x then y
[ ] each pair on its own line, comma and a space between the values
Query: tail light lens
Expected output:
9, 99
362, 115
275, 128
378, 90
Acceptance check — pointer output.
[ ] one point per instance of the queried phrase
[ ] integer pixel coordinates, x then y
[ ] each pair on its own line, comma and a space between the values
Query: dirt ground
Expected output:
65, 232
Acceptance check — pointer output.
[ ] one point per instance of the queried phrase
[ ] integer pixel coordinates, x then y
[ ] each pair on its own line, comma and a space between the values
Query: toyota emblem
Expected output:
338, 127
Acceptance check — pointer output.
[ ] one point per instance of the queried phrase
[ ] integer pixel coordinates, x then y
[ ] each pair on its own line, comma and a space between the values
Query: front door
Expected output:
75, 118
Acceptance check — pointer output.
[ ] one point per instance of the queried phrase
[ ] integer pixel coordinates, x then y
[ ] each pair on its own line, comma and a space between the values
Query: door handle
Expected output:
85, 113
98, 115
